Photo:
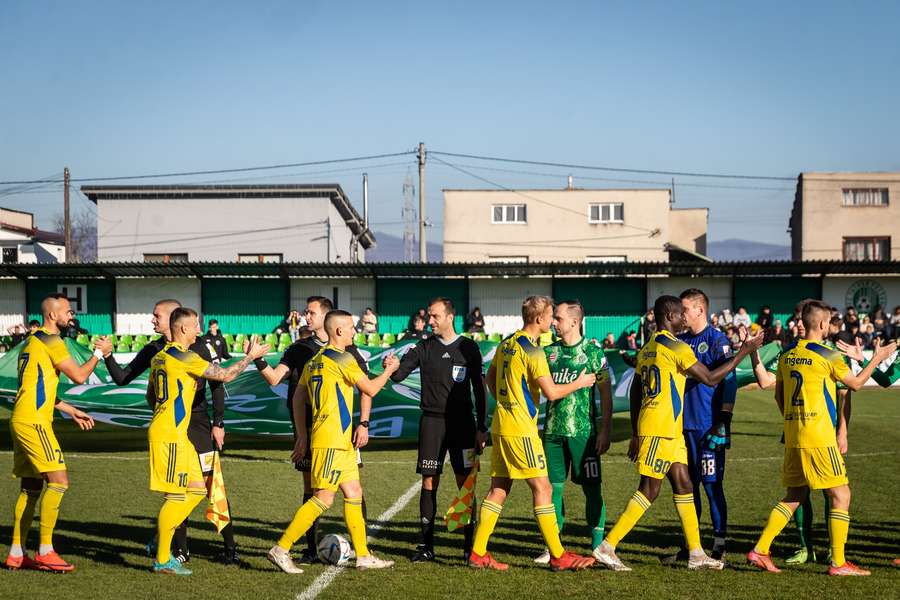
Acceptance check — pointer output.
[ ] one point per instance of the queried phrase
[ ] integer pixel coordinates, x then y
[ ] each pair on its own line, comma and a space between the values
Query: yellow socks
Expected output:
24, 513
49, 513
838, 526
778, 518
174, 511
356, 525
687, 512
546, 518
303, 520
487, 519
634, 510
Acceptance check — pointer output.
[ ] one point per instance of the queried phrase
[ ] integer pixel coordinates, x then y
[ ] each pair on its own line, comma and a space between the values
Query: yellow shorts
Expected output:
35, 450
816, 468
516, 457
331, 467
173, 465
657, 455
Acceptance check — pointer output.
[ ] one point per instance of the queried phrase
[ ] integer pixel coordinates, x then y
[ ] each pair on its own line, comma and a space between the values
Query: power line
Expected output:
215, 171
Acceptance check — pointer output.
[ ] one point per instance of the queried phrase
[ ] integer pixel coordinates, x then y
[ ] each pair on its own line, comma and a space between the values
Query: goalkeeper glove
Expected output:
720, 434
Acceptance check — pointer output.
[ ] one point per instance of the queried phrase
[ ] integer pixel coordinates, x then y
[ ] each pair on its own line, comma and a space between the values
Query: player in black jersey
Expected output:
290, 367
205, 438
450, 367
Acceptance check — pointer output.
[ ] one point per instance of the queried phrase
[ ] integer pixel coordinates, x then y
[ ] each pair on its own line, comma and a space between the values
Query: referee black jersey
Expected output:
138, 364
447, 372
204, 348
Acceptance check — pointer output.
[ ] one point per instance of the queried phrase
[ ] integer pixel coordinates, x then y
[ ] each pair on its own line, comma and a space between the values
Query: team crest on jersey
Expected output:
702, 348
459, 373
553, 356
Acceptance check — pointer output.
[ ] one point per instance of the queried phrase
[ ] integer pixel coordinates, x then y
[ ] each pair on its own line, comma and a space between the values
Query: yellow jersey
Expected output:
329, 378
173, 374
518, 363
662, 365
41, 353
808, 373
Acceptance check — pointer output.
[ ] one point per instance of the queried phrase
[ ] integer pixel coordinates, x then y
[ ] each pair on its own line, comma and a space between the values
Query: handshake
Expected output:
390, 363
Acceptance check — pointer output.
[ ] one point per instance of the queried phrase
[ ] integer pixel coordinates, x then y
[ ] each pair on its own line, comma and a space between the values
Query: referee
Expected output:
290, 367
449, 365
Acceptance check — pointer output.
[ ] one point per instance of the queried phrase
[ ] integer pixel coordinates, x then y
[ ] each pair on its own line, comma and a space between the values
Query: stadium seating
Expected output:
359, 339
136, 346
374, 339
285, 339
229, 339
123, 347
83, 340
239, 338
271, 339
126, 340
141, 338
495, 337
282, 347
388, 338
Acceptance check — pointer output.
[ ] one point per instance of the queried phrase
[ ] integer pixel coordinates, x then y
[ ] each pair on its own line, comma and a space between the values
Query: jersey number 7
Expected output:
316, 381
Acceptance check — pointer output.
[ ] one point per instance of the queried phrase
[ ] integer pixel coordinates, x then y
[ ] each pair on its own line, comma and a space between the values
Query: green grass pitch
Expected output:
108, 515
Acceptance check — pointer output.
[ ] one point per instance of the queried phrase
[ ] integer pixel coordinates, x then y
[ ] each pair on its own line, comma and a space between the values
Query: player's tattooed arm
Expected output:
215, 372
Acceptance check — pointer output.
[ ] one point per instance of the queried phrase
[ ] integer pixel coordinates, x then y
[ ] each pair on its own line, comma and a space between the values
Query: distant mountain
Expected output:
389, 248
742, 250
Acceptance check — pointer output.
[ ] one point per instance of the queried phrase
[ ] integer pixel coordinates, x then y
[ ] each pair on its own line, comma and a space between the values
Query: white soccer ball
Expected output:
334, 549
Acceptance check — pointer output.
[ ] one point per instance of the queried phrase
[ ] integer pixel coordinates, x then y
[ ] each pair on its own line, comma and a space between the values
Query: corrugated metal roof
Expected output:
418, 270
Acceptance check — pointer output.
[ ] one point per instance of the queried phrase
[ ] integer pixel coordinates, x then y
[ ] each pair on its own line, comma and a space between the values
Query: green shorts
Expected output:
578, 454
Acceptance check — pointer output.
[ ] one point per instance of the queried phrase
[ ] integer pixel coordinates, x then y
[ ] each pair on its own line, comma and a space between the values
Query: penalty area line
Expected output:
321, 582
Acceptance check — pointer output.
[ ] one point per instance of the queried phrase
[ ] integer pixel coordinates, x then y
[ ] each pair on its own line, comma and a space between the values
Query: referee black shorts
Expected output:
200, 433
438, 437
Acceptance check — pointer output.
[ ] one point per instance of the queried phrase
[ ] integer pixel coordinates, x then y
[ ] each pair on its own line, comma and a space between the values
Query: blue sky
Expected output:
109, 88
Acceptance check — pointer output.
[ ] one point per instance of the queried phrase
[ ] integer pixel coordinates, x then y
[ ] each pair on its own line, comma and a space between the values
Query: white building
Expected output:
228, 223
22, 242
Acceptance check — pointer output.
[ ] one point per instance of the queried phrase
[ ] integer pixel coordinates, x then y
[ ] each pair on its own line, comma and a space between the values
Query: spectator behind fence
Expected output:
631, 341
895, 324
742, 318
18, 333
851, 317
648, 326
418, 331
727, 317
215, 340
764, 319
880, 321
777, 334
609, 342
368, 322
419, 314
474, 322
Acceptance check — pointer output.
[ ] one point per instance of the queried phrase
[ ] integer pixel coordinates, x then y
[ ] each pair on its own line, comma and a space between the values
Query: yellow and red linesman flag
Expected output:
460, 512
217, 510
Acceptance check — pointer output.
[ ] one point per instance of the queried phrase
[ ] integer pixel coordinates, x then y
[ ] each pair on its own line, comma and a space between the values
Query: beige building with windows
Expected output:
570, 225
846, 216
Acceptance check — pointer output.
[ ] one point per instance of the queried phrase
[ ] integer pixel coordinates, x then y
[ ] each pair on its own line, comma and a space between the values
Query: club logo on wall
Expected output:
865, 294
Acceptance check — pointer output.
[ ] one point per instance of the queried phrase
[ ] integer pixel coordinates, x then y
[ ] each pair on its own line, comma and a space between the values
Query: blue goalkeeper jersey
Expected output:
702, 403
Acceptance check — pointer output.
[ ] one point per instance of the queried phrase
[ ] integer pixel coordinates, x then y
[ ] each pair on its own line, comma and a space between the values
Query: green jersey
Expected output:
885, 378
574, 415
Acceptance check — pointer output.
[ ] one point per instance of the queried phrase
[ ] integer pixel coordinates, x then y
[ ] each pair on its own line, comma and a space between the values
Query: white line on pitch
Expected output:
324, 580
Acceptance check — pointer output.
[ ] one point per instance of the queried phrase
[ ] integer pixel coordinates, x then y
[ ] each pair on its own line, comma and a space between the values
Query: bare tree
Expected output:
84, 236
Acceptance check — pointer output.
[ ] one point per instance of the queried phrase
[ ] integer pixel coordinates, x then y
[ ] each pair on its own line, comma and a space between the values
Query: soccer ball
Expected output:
334, 549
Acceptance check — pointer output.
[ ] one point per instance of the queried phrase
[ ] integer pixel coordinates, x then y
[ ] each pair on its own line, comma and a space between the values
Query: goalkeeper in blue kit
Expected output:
707, 417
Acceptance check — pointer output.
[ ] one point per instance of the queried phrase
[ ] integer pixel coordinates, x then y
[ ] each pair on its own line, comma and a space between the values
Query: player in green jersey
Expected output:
574, 435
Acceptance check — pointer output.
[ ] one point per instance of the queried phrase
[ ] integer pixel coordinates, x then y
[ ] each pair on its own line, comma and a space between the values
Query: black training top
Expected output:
218, 342
447, 371
205, 350
298, 354
138, 364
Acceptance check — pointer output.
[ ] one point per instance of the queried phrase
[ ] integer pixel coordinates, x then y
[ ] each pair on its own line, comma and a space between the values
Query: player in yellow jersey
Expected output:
657, 440
36, 453
174, 465
326, 385
517, 376
806, 394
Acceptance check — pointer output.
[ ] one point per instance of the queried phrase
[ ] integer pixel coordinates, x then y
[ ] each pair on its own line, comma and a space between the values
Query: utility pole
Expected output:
67, 222
423, 257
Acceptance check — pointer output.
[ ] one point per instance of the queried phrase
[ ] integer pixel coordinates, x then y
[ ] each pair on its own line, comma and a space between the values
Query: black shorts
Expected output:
437, 438
200, 433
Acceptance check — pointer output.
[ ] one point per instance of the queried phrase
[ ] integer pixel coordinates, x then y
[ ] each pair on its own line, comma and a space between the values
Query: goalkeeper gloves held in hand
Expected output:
720, 434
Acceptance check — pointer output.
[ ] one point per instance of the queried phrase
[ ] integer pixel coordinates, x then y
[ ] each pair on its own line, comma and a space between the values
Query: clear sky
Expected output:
770, 88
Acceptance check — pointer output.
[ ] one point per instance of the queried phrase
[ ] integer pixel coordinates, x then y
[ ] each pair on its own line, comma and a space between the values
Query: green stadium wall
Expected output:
245, 305
98, 297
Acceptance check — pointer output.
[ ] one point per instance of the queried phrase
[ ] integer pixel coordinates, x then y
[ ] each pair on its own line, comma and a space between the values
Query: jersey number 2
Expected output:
796, 398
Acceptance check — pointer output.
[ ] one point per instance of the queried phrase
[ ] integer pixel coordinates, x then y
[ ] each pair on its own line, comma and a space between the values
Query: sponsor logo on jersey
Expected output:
553, 356
565, 376
459, 373
446, 355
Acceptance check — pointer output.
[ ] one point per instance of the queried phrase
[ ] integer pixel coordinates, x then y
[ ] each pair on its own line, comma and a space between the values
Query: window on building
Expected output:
165, 258
508, 213
866, 197
260, 258
605, 259
867, 248
508, 259
610, 212
10, 255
